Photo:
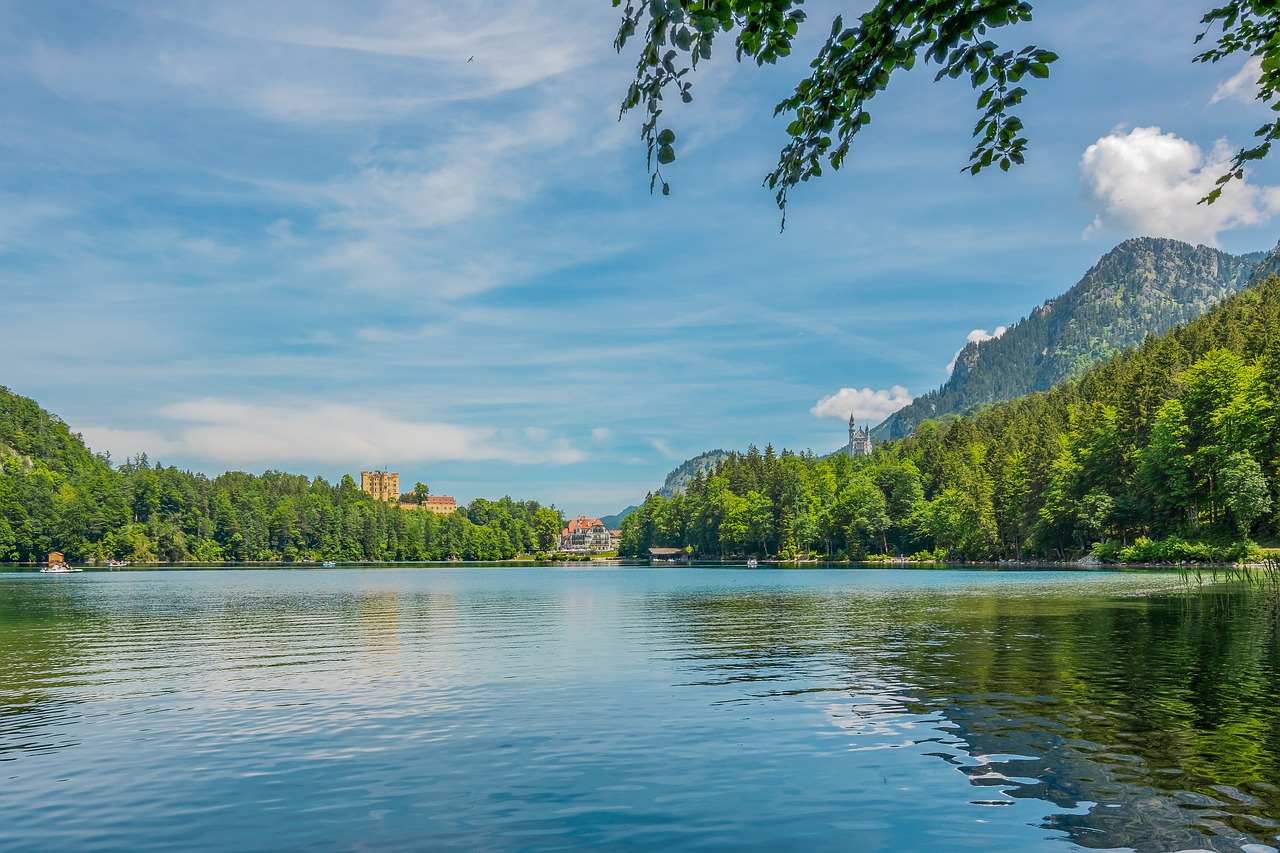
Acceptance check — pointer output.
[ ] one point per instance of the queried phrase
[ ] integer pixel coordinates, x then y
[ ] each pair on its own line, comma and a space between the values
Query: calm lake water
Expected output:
552, 709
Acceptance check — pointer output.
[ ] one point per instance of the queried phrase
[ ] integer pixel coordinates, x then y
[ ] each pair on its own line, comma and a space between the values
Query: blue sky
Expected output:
313, 236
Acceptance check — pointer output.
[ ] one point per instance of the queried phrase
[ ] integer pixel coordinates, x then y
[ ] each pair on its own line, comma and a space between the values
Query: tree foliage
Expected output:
830, 106
1250, 27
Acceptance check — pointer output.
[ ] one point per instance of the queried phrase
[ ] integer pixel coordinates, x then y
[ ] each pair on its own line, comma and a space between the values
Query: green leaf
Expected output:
666, 154
666, 137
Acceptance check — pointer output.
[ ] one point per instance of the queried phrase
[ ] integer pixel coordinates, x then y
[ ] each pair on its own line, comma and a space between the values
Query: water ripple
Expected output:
544, 709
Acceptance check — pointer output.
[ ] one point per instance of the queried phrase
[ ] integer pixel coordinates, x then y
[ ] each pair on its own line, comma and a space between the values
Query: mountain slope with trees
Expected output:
683, 474
1143, 286
56, 494
1168, 451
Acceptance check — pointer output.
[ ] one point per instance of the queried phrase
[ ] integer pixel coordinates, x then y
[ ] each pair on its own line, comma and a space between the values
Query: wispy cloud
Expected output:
239, 433
1241, 86
665, 449
319, 62
466, 50
126, 443
485, 163
22, 218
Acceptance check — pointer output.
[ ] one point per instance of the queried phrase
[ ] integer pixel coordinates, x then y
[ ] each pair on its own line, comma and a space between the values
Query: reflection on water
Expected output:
1151, 721
539, 709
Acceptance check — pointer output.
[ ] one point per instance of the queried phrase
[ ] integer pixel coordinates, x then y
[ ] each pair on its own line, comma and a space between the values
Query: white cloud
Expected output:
241, 434
977, 336
600, 434
1148, 183
125, 443
863, 404
1243, 85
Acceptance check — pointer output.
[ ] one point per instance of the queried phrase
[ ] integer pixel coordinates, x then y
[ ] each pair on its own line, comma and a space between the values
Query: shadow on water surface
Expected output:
1149, 722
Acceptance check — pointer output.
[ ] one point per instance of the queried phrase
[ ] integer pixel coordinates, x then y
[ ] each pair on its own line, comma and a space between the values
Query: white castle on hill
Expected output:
859, 439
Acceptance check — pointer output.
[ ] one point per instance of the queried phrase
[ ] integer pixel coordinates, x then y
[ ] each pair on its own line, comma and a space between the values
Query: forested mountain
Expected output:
1170, 450
688, 469
1146, 285
55, 494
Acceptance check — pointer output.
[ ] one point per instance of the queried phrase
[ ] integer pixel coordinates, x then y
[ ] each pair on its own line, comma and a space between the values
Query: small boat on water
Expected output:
329, 564
753, 563
56, 565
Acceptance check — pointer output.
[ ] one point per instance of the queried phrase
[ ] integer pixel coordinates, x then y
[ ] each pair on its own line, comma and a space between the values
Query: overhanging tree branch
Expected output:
855, 64
1251, 28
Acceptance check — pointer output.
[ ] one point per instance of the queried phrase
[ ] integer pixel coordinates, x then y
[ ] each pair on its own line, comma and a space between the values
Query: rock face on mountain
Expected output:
679, 478
1144, 286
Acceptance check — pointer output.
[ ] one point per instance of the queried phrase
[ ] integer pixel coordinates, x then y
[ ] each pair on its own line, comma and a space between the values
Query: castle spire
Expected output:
860, 443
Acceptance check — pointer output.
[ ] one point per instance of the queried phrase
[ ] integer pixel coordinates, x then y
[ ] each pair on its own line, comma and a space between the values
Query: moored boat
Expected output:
56, 565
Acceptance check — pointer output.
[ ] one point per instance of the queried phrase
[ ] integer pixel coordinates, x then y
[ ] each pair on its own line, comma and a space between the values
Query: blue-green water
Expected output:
551, 709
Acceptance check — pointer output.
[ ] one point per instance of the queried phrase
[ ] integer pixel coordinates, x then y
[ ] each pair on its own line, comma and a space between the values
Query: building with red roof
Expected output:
584, 535
439, 504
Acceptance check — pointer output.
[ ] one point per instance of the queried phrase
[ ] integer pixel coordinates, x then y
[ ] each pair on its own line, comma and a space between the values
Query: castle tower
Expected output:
859, 439
383, 485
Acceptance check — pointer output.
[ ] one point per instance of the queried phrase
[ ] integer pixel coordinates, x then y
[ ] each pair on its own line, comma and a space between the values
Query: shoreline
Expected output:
621, 562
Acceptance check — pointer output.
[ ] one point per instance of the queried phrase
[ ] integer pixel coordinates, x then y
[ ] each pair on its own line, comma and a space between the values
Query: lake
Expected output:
698, 709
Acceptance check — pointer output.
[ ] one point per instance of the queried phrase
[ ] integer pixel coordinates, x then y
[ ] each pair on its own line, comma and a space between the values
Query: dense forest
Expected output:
56, 494
1145, 285
1166, 452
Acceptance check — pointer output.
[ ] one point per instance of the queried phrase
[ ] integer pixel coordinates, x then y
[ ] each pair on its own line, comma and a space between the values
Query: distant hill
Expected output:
614, 522
681, 476
1144, 286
